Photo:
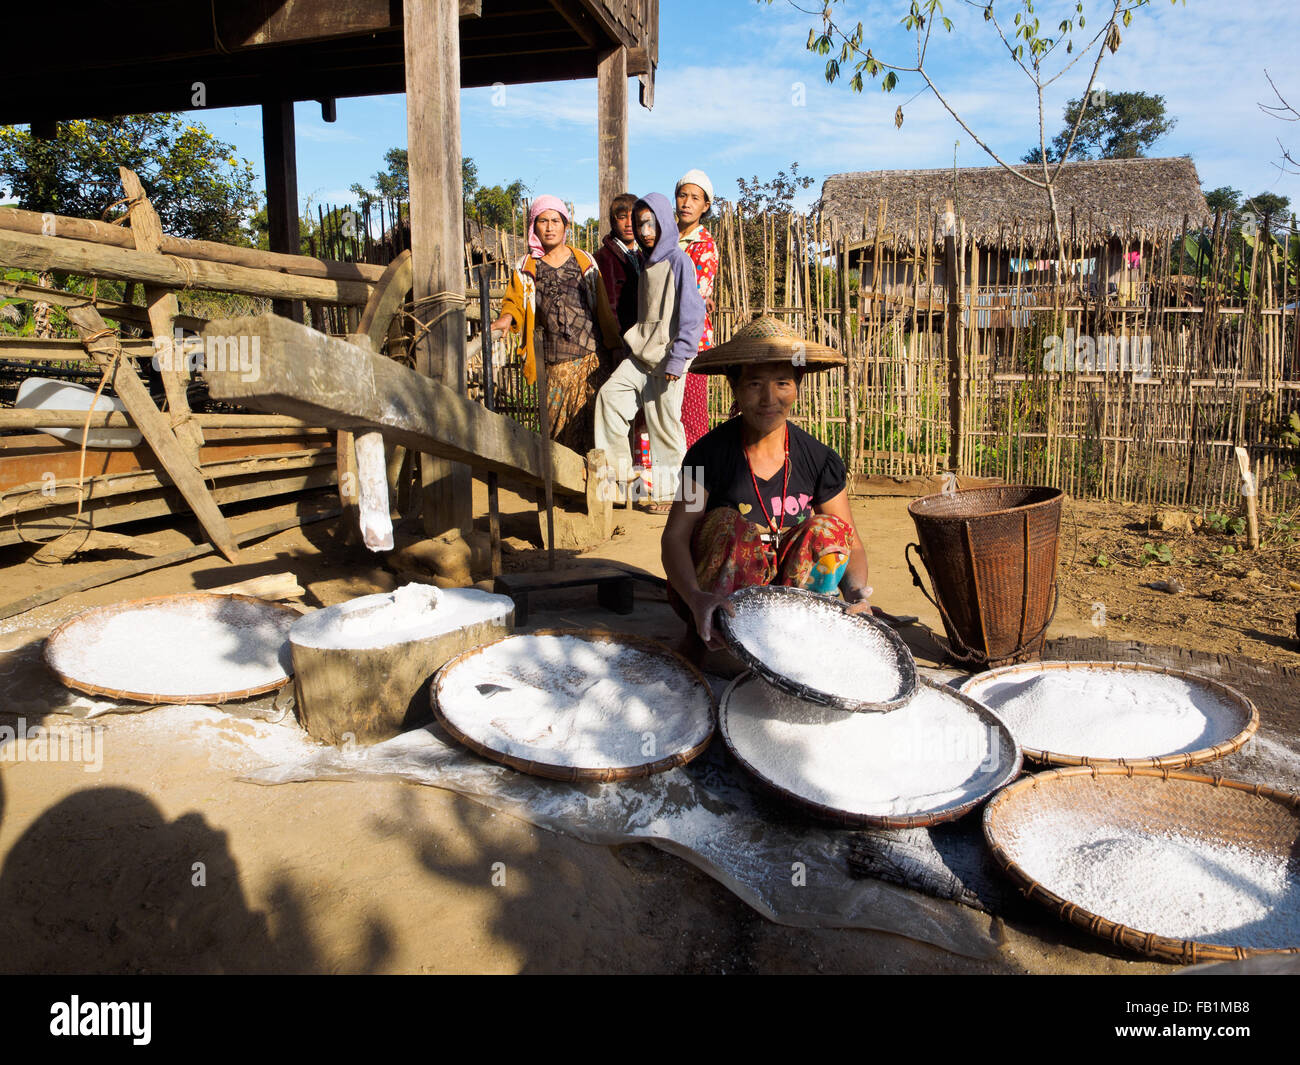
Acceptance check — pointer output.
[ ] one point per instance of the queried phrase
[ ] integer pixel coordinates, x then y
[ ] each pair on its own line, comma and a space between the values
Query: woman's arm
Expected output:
512, 306
679, 566
854, 582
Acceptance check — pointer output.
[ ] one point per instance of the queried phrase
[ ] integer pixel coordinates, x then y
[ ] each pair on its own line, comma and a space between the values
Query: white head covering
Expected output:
695, 177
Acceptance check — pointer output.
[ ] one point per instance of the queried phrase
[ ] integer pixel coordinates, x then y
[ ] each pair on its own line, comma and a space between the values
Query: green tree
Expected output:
776, 194
1270, 206
494, 205
468, 178
1116, 125
1224, 198
756, 199
195, 182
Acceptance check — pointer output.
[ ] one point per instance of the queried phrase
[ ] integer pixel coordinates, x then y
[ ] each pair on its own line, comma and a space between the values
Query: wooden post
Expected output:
489, 401
1248, 491
163, 310
432, 41
281, 158
954, 326
611, 127
103, 346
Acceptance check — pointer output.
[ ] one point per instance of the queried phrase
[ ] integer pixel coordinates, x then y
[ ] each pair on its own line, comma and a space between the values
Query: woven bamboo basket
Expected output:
991, 555
1246, 725
775, 594
852, 819
1150, 800
72, 630
575, 774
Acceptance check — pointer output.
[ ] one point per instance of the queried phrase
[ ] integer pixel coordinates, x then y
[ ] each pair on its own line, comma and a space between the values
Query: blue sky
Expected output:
738, 95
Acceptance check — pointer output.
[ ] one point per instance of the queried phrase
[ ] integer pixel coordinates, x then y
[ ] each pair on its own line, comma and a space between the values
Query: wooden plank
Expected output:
611, 128
144, 565
153, 426
433, 73
60, 349
331, 382
34, 252
54, 225
30, 418
112, 309
571, 577
163, 310
33, 468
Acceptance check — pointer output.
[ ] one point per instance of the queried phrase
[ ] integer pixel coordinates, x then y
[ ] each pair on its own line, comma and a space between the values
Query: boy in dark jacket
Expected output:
619, 261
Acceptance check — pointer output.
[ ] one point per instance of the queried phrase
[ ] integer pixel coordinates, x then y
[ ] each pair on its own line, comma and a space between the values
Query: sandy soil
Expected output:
97, 872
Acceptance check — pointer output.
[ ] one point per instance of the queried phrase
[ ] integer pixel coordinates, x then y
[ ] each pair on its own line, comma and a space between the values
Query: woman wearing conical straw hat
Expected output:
760, 501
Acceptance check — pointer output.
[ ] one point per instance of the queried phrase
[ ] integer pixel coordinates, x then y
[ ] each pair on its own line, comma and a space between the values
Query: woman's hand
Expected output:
703, 604
858, 601
503, 324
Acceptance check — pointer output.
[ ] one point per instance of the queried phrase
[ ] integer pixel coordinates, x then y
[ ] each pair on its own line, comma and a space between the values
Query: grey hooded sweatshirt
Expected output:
670, 310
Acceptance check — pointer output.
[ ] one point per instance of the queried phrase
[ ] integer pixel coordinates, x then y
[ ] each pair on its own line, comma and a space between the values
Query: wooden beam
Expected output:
432, 43
55, 225
163, 310
582, 17
114, 309
331, 382
59, 349
103, 347
279, 148
611, 128
31, 418
32, 252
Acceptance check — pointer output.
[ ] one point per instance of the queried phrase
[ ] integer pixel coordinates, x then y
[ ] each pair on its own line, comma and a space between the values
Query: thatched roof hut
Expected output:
1098, 200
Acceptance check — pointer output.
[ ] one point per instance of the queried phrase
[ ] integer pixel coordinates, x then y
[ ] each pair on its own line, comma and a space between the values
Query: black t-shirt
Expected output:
717, 460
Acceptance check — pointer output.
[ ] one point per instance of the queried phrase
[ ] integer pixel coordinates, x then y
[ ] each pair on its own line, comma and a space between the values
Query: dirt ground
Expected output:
97, 872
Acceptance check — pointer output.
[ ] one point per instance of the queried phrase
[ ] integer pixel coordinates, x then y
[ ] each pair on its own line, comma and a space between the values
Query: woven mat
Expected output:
952, 861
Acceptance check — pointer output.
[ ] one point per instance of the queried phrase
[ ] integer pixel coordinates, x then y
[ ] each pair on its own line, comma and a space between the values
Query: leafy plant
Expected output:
1101, 560
1224, 524
1156, 553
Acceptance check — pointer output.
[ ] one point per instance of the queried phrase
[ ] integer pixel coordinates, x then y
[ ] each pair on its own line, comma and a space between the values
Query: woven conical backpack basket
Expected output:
991, 554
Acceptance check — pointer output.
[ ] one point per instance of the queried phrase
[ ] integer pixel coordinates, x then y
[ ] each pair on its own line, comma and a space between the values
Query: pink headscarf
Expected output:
543, 203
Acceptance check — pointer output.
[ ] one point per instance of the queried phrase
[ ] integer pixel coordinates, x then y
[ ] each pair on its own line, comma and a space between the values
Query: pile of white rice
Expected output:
178, 647
818, 645
933, 753
1109, 713
573, 702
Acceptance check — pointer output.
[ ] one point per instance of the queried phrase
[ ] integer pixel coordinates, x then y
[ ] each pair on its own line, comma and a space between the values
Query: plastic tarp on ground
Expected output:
785, 866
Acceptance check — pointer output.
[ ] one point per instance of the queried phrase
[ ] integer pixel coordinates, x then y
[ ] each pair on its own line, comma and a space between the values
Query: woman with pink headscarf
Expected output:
557, 303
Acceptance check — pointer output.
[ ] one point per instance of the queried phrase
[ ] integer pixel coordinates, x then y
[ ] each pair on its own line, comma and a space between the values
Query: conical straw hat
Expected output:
766, 340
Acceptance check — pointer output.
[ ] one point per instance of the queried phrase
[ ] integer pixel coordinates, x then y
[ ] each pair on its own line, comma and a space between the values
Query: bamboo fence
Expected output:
1218, 319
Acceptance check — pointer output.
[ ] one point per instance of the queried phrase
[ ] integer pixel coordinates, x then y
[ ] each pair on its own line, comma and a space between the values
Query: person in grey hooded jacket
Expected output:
670, 319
